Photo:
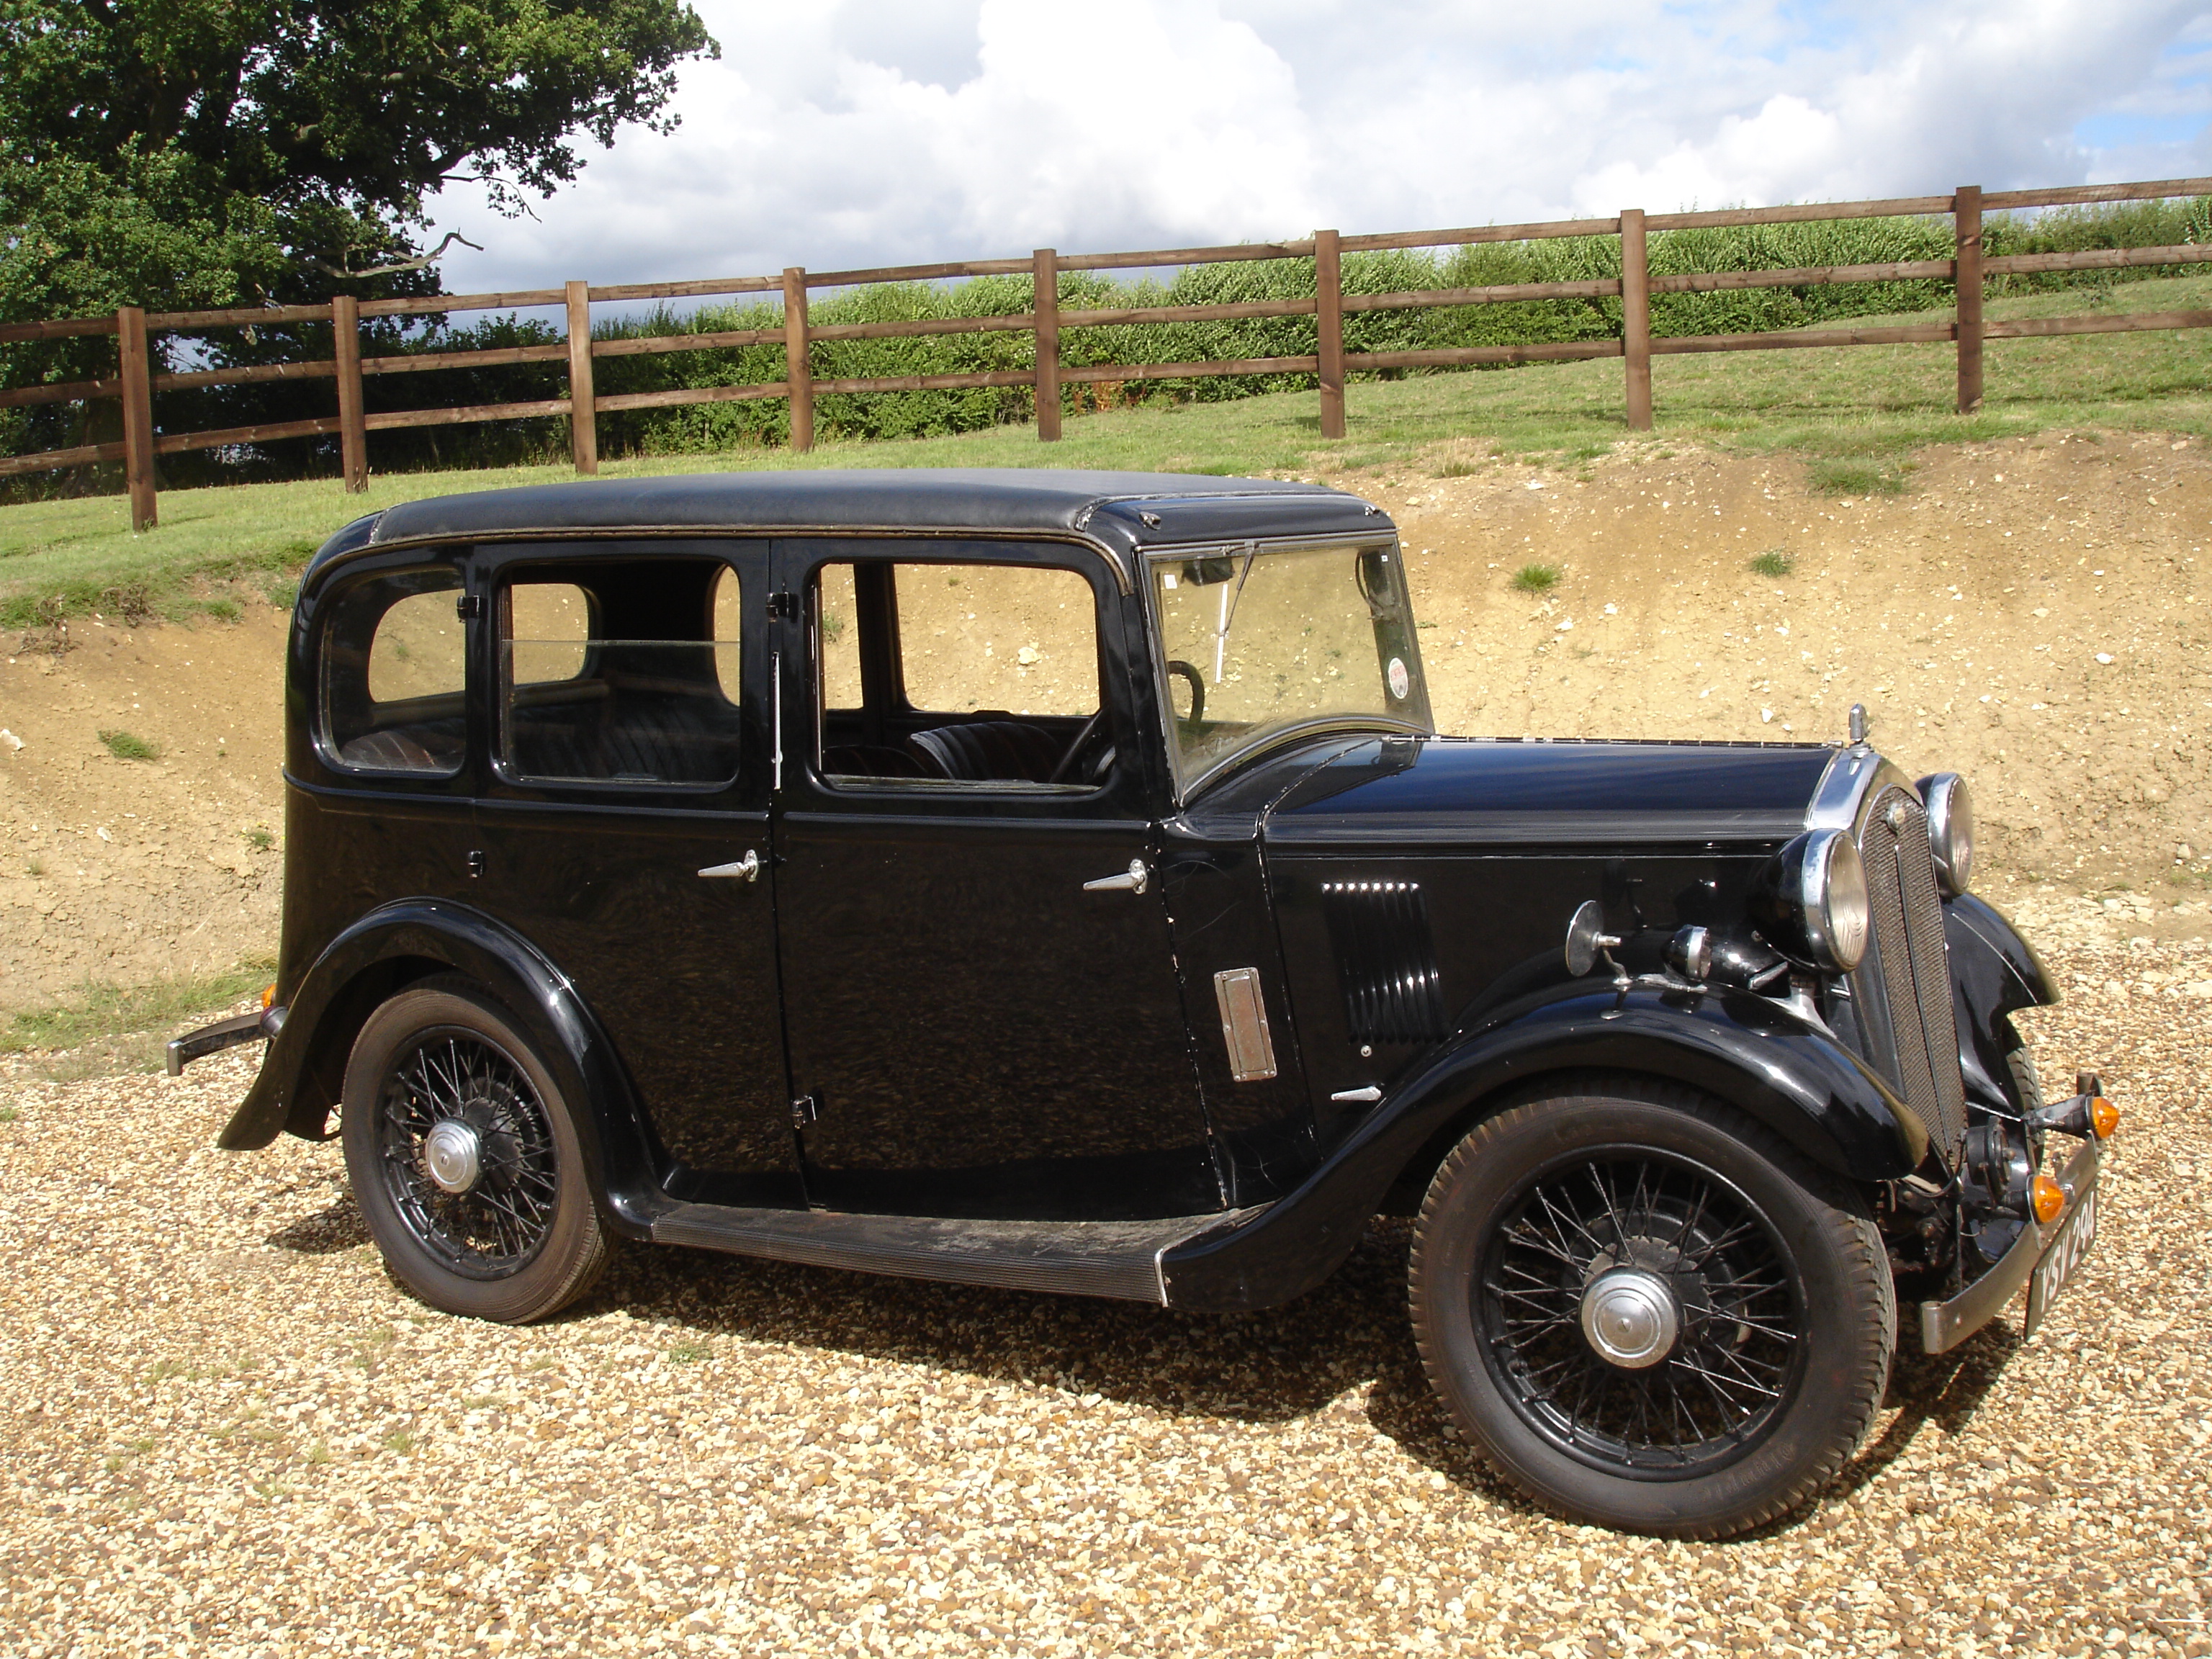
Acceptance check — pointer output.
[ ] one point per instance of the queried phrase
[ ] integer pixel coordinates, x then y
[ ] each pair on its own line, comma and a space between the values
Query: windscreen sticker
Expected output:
1400, 681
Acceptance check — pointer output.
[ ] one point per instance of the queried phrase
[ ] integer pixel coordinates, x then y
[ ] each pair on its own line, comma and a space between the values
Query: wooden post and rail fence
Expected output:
135, 382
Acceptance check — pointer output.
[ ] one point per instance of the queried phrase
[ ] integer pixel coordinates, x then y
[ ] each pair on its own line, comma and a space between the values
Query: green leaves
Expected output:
231, 150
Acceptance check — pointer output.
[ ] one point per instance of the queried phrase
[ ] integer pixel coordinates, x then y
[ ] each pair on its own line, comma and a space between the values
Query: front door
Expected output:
624, 832
981, 996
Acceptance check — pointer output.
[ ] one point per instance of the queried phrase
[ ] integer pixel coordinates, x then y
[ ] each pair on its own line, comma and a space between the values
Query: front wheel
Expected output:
465, 1157
1650, 1313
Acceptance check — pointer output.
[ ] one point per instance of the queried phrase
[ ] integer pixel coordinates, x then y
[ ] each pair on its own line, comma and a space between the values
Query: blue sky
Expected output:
860, 132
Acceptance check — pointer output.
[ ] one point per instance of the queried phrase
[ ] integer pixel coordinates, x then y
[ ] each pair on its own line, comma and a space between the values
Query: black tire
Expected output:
523, 1240
1760, 1314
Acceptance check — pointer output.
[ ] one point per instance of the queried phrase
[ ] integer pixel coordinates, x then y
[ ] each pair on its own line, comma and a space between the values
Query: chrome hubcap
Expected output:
1629, 1317
454, 1153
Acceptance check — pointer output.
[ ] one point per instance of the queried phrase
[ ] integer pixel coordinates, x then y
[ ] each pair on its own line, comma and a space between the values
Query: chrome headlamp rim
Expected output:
1950, 811
1812, 903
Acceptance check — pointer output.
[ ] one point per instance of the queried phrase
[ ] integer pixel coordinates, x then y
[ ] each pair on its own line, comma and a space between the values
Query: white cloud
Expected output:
862, 132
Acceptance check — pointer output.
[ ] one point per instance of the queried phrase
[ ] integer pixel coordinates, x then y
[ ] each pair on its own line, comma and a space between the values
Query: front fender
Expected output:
400, 942
1747, 1050
1994, 974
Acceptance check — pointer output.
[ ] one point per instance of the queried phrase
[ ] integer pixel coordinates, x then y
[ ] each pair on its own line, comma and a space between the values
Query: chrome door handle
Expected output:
745, 869
1134, 880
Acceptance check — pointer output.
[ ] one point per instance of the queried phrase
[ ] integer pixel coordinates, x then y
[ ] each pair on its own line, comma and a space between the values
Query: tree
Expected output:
190, 153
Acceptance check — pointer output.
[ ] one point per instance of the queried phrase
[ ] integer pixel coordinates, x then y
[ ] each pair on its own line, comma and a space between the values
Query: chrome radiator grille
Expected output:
1903, 988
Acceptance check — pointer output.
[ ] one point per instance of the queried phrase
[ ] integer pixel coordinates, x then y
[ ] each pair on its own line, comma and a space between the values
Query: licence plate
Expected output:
2059, 1263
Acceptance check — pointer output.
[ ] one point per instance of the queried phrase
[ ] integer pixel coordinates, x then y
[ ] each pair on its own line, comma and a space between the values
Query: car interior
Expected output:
394, 671
933, 675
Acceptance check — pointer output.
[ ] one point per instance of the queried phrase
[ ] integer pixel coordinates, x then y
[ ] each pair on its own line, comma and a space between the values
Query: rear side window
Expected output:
394, 668
622, 673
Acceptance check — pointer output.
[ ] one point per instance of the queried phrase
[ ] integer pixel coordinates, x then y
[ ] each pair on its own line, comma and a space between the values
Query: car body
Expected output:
846, 867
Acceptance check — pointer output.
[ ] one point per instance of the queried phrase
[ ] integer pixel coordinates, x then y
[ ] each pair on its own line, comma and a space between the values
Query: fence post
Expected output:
1966, 218
1044, 303
583, 408
1635, 317
138, 416
799, 377
353, 423
1328, 328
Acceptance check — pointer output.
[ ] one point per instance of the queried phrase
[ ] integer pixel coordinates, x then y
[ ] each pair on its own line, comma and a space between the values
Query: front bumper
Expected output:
1944, 1325
223, 1034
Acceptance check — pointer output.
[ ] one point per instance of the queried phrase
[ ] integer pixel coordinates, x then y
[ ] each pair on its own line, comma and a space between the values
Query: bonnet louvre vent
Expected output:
1386, 960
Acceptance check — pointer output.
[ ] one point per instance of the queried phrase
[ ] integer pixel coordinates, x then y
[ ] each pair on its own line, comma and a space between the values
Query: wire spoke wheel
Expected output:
465, 1149
1641, 1313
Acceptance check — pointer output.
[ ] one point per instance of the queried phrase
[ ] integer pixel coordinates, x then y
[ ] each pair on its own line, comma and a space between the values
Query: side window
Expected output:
624, 672
998, 636
976, 675
394, 669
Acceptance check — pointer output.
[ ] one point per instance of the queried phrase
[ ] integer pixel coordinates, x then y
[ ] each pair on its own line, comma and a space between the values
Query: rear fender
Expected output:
1747, 1050
398, 944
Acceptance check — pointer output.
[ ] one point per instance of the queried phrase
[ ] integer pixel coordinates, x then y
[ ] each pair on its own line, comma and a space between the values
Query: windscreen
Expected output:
1258, 641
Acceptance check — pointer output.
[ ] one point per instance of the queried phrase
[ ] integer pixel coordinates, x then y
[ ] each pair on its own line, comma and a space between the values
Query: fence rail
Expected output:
135, 383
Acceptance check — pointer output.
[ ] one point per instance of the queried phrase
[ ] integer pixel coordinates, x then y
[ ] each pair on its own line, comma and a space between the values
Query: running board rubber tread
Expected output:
1077, 1258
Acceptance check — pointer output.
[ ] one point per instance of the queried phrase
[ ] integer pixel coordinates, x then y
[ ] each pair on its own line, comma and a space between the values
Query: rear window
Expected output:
394, 668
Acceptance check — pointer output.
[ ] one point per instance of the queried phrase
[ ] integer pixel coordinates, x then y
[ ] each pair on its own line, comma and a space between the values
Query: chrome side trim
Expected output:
1245, 1025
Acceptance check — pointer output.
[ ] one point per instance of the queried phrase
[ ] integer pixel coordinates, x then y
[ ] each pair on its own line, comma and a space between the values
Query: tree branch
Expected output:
424, 262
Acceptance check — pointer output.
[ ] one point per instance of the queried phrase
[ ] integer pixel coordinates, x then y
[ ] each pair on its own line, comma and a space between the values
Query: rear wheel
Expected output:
465, 1157
1649, 1312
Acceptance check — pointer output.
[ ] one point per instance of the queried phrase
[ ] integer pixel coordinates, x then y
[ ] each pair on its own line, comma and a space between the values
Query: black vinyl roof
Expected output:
1125, 510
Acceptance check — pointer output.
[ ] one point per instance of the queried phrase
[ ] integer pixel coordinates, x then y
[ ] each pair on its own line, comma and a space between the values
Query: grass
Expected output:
1852, 416
107, 1012
124, 746
1834, 476
1773, 562
1535, 578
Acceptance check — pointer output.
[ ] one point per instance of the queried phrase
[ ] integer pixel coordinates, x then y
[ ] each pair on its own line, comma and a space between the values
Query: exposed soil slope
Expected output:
1971, 614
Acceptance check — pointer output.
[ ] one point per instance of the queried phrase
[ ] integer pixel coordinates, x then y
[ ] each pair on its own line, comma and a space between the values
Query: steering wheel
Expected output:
1084, 739
1197, 683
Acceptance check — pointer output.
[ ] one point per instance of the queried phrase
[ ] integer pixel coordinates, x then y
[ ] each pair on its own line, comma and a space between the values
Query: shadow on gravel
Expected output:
1269, 1367
1265, 1367
324, 1233
1946, 1389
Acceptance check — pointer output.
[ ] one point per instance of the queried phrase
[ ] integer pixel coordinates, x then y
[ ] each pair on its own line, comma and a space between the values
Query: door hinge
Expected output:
468, 605
783, 607
807, 1109
476, 864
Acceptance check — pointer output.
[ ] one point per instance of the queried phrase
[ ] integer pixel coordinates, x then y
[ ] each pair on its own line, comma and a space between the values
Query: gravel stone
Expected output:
224, 1430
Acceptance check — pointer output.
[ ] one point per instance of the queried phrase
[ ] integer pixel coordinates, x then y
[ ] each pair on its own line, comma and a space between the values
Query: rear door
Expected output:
625, 829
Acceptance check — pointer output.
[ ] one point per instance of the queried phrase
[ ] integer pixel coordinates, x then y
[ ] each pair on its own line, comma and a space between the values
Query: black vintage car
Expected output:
1055, 880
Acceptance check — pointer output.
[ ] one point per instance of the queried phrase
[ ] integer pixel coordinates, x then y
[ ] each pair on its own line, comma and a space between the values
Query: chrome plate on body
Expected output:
2060, 1258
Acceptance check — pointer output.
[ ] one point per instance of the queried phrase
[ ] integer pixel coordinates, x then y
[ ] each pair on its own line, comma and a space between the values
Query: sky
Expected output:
846, 133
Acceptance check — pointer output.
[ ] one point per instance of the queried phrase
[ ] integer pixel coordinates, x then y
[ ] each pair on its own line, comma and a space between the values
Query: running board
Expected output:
1073, 1258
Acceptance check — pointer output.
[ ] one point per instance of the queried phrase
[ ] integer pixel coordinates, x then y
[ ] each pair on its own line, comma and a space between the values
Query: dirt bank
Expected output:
2031, 613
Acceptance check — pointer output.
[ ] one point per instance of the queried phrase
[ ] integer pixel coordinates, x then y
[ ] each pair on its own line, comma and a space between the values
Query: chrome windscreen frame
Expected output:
1183, 790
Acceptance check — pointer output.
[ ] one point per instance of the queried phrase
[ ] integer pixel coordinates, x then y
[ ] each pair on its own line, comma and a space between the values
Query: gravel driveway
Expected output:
226, 1432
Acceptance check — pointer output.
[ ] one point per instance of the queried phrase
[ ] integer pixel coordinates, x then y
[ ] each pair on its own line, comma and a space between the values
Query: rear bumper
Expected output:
223, 1034
1944, 1325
